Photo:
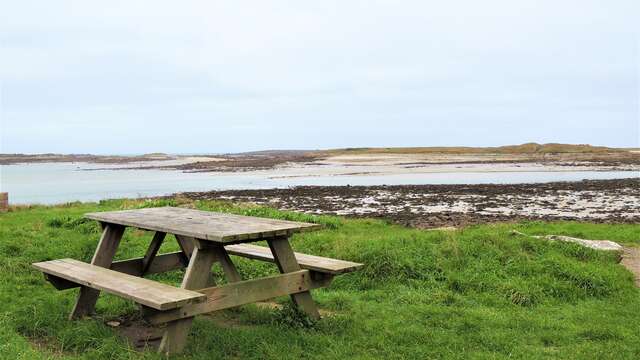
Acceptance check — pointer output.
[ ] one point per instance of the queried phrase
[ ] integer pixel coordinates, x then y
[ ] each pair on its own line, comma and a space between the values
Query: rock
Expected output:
443, 228
605, 245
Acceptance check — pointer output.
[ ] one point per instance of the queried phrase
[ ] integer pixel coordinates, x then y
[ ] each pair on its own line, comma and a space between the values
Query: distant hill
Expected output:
528, 148
156, 155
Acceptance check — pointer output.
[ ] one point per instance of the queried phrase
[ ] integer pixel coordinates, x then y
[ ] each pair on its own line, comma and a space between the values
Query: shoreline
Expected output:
560, 155
429, 206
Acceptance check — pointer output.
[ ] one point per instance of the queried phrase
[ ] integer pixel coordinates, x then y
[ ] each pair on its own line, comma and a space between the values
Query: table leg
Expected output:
152, 251
196, 277
286, 261
230, 272
187, 244
111, 236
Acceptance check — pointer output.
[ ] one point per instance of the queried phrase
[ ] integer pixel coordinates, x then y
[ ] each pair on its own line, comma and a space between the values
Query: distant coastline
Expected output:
560, 155
88, 177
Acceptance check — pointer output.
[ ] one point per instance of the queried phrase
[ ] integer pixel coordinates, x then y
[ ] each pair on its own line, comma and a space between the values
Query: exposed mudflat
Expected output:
427, 206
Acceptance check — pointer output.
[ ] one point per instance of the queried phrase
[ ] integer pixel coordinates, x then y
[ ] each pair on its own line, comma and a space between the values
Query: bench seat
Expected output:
310, 262
143, 291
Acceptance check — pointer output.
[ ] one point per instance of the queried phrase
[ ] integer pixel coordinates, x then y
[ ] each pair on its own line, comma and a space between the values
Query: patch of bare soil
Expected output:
46, 347
631, 260
138, 333
429, 206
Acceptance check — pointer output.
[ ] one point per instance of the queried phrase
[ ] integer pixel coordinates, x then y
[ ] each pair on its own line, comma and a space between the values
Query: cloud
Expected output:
233, 76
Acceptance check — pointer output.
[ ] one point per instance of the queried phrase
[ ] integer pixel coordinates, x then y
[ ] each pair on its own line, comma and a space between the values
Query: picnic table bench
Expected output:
204, 238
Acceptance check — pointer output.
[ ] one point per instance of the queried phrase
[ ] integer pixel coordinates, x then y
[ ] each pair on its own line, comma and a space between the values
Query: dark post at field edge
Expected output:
4, 201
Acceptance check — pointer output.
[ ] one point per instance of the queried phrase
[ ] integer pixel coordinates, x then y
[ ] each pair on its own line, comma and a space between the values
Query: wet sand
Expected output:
428, 206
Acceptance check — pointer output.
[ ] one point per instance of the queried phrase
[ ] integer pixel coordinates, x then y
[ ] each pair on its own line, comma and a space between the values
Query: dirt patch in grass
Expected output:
631, 260
140, 334
45, 346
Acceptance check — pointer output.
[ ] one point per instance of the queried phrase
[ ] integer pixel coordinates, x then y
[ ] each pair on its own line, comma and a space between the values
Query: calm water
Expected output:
63, 182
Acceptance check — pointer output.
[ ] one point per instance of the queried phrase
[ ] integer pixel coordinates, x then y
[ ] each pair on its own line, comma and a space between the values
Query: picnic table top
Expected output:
204, 225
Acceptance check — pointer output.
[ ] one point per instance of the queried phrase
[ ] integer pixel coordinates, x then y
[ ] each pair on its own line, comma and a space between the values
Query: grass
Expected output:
476, 293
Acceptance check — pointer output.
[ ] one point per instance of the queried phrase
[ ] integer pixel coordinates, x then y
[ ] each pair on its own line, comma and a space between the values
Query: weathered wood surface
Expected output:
243, 292
156, 242
311, 262
228, 268
173, 261
204, 225
187, 244
161, 263
143, 291
197, 276
286, 262
106, 250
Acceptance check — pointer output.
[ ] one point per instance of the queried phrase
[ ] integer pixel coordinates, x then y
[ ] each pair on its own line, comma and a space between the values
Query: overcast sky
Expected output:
226, 76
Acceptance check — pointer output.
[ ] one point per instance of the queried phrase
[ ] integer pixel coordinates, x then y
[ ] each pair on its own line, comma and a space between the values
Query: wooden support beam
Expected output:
230, 272
187, 245
286, 260
154, 246
228, 268
161, 263
243, 292
196, 276
111, 236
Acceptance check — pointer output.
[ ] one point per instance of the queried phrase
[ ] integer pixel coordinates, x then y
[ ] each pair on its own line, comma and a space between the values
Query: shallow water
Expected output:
51, 183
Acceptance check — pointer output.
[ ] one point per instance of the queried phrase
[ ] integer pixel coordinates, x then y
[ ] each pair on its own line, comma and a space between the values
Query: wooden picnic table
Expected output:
204, 238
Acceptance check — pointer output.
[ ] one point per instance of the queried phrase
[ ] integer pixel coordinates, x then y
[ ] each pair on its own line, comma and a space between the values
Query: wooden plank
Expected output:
143, 291
196, 276
206, 225
286, 262
311, 262
161, 263
244, 292
107, 247
156, 242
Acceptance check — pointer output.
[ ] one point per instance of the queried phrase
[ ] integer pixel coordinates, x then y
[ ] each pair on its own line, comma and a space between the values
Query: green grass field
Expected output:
476, 293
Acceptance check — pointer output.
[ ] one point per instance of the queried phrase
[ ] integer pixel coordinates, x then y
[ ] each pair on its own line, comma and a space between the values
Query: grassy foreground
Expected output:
476, 293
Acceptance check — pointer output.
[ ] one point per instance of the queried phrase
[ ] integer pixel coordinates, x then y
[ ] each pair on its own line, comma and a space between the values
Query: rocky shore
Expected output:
427, 206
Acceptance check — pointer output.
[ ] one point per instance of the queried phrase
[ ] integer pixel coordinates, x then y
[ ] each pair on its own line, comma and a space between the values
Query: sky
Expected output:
124, 77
